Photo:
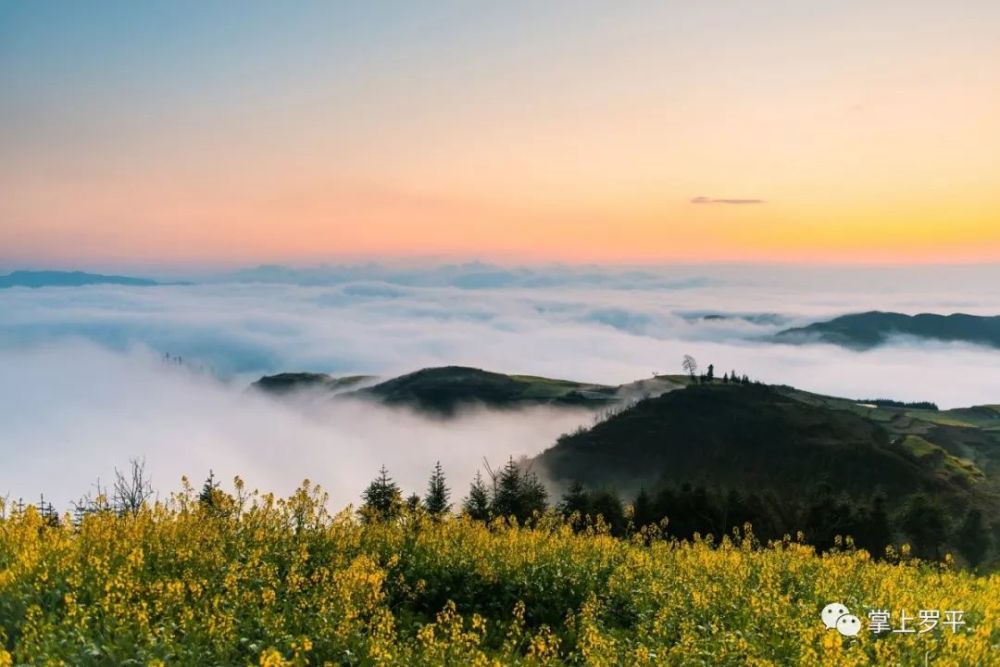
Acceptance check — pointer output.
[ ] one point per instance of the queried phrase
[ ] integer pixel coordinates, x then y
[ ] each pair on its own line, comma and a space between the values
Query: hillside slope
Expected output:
447, 389
442, 391
289, 383
762, 437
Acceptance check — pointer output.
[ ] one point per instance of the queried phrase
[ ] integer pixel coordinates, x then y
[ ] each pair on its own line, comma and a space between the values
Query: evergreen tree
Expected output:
710, 375
209, 489
534, 497
382, 499
48, 513
438, 494
517, 493
477, 504
972, 538
725, 378
507, 490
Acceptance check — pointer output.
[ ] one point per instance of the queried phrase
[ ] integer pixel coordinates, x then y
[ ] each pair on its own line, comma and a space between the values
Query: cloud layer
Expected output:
83, 386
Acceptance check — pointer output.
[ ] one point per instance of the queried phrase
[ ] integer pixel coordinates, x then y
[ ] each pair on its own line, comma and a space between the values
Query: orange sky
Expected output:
869, 135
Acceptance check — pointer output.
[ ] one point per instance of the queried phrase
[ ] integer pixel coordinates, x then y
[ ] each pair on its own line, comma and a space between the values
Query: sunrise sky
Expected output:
811, 131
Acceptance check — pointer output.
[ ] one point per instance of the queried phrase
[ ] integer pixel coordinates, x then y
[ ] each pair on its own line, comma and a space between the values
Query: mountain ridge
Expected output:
863, 331
38, 279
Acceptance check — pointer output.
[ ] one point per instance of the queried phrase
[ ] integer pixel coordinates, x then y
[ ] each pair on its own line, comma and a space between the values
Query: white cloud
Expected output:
82, 388
75, 412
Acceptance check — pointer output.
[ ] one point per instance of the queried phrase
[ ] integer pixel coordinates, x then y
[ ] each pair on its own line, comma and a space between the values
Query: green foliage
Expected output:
443, 391
780, 440
436, 501
477, 504
382, 499
517, 493
972, 537
924, 522
281, 582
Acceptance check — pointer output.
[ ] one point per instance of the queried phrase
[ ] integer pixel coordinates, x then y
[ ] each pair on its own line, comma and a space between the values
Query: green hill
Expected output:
288, 383
756, 437
867, 330
444, 390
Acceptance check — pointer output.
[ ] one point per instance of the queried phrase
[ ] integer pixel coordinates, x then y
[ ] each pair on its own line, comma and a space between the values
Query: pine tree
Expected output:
534, 497
477, 505
438, 494
48, 513
517, 493
507, 496
382, 499
209, 490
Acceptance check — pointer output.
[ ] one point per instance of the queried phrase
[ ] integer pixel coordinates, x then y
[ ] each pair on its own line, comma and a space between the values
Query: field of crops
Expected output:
259, 580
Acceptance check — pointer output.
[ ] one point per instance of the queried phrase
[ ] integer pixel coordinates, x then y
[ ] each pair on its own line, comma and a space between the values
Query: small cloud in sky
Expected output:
712, 200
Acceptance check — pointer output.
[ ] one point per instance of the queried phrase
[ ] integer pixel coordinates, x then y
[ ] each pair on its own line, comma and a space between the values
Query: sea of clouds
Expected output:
84, 387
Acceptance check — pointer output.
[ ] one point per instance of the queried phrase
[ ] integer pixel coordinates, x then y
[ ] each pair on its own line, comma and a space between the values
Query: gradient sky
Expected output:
810, 131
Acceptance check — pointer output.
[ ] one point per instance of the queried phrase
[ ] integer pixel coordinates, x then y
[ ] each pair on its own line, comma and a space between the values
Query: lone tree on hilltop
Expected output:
689, 365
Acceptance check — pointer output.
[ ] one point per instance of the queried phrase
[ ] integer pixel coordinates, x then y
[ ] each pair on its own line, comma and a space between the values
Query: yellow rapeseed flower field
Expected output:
266, 581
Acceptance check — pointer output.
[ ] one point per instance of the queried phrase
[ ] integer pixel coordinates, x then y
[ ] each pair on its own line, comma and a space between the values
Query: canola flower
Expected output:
256, 580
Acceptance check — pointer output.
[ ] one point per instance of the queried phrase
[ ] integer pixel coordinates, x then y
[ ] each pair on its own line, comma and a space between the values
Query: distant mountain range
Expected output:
867, 330
68, 279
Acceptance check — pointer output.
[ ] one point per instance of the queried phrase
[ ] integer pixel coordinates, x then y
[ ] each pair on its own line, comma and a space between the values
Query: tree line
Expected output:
824, 520
514, 491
